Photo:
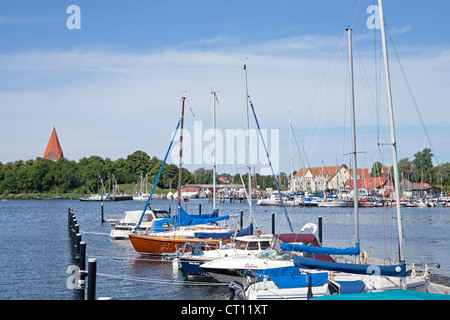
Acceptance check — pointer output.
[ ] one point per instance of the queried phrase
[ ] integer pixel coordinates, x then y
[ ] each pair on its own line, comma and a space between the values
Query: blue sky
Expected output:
113, 87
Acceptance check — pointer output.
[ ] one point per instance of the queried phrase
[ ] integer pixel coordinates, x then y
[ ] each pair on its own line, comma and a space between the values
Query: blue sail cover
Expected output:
213, 235
320, 250
290, 277
185, 219
246, 232
398, 270
158, 225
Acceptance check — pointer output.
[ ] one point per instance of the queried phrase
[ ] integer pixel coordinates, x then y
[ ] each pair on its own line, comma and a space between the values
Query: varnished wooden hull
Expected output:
160, 245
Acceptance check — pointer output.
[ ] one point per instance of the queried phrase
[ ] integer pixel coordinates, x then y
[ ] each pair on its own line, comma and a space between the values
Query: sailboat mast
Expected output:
392, 131
214, 151
355, 165
181, 149
290, 147
248, 142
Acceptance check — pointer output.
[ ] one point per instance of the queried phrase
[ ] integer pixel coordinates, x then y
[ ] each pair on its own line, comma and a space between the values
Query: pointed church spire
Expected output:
53, 150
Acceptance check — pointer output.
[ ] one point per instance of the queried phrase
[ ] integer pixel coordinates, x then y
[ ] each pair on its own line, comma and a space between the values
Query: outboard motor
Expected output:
236, 290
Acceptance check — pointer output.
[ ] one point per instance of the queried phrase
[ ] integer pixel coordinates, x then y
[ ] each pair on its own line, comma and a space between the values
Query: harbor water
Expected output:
36, 260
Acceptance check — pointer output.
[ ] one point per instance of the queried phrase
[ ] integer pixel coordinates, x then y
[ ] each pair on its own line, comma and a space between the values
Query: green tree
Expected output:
377, 169
422, 160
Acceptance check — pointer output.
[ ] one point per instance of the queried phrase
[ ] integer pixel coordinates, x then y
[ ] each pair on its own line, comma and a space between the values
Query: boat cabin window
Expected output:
161, 214
264, 245
253, 245
147, 218
241, 245
272, 254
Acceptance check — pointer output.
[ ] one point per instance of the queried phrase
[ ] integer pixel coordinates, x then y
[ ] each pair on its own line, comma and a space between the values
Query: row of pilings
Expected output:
78, 251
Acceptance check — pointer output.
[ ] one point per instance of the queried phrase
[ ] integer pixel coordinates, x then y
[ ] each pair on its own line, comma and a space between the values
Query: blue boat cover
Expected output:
398, 270
185, 219
320, 250
213, 235
246, 232
348, 287
158, 225
387, 295
290, 277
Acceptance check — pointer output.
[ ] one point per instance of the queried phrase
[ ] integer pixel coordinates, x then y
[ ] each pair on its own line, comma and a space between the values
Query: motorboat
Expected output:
237, 267
127, 225
246, 246
332, 203
274, 200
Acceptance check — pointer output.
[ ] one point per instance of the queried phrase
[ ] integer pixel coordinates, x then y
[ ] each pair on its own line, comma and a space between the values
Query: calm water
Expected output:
35, 246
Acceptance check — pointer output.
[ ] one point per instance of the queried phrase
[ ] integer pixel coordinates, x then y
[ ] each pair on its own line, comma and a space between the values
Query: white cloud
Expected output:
113, 103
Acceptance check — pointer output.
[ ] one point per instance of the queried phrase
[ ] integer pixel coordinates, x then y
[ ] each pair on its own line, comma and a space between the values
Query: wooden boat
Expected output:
172, 241
171, 234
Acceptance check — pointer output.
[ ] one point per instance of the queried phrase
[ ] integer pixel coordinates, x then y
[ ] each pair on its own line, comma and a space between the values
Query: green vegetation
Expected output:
44, 178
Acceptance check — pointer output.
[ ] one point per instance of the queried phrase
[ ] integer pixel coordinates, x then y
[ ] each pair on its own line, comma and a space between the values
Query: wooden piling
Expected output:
92, 278
273, 222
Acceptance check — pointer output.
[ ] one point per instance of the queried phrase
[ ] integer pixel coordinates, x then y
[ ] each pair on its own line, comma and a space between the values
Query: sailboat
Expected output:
358, 276
246, 242
171, 234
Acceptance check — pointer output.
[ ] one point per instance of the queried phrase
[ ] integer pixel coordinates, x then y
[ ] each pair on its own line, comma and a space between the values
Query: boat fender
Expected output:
363, 257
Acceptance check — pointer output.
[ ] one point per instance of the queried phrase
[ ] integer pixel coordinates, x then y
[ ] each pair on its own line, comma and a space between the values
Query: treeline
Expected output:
70, 177
67, 176
420, 169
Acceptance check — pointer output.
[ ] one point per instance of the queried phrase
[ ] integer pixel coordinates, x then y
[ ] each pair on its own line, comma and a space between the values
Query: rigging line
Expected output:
270, 164
327, 95
252, 215
323, 81
412, 96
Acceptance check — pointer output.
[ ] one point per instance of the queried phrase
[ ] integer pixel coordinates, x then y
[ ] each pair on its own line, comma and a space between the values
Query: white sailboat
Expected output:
362, 277
245, 241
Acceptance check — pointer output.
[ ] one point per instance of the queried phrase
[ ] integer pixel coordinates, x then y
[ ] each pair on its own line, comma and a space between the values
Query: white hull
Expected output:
332, 204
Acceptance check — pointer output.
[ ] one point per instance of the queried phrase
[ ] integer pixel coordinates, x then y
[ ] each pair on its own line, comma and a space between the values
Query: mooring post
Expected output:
80, 291
77, 246
103, 218
242, 218
92, 278
320, 230
199, 208
273, 222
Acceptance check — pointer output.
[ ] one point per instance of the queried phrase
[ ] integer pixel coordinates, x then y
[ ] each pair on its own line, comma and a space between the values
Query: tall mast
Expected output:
214, 151
290, 146
181, 150
401, 239
248, 142
355, 165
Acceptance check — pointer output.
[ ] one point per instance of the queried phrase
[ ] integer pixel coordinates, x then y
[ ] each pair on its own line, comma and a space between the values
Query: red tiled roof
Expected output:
53, 150
371, 183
